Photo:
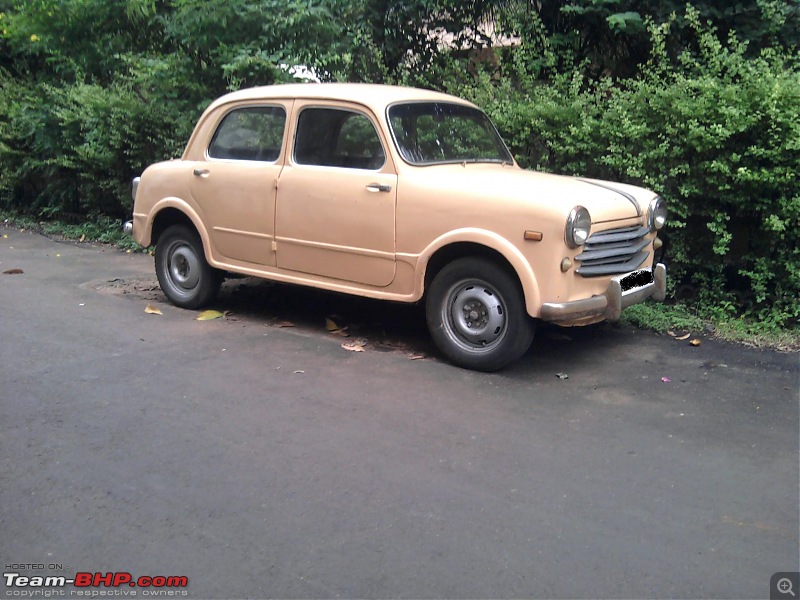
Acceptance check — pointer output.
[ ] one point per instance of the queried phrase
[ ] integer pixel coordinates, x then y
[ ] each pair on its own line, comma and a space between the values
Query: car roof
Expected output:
375, 96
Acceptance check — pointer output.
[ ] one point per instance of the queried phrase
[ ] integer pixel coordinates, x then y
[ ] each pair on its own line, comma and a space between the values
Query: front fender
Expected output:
493, 241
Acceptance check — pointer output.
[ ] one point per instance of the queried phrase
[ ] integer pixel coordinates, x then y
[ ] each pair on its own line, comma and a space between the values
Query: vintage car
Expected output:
399, 194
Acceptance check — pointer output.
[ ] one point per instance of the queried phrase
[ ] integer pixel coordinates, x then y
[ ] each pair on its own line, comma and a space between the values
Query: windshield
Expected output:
436, 132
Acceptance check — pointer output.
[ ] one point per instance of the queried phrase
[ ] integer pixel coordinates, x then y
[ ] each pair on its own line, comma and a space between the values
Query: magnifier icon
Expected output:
785, 586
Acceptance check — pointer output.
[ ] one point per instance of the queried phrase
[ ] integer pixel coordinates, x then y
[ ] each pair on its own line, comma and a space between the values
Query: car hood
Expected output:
558, 194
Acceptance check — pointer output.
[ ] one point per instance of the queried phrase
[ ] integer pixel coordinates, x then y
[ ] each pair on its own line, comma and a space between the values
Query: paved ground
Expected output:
263, 460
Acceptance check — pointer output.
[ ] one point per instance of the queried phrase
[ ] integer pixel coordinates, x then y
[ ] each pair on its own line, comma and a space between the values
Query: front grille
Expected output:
614, 251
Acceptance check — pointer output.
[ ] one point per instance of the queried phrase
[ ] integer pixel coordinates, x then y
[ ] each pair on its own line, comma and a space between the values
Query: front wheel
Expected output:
476, 315
186, 279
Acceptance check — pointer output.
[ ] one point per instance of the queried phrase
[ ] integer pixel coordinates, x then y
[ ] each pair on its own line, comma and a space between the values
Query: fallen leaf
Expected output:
5, 236
13, 272
210, 315
152, 310
666, 380
695, 342
672, 333
683, 337
83, 237
418, 357
353, 347
296, 372
284, 324
331, 325
562, 375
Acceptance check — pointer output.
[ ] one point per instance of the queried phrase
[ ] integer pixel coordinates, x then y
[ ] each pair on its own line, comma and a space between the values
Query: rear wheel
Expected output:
476, 315
185, 277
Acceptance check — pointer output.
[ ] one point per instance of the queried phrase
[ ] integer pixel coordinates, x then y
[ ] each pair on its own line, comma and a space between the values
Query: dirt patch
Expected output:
144, 288
380, 326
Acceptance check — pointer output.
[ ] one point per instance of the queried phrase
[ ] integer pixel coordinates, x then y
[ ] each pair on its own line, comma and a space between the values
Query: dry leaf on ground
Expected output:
353, 348
356, 346
152, 310
695, 342
331, 325
683, 337
13, 272
209, 315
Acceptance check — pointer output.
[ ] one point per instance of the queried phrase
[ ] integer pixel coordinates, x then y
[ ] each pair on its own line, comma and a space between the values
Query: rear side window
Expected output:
332, 137
252, 133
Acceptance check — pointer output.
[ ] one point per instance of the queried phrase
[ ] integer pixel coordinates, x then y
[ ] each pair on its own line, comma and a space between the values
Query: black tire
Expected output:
476, 315
186, 279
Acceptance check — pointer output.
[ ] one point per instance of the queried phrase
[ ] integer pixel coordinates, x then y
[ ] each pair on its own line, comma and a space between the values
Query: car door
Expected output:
235, 186
335, 212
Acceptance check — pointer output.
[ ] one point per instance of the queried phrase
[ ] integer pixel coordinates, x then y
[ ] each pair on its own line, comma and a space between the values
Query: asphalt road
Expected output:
256, 457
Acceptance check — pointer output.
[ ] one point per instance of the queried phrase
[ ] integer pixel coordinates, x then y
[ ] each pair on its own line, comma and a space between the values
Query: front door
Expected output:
335, 215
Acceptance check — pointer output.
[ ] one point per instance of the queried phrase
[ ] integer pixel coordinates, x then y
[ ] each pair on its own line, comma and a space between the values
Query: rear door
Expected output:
235, 186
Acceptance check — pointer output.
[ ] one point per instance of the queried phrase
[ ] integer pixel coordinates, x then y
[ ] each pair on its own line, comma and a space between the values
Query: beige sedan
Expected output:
398, 194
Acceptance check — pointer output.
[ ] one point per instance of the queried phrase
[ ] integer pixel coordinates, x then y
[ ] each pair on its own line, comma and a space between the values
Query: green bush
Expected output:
74, 149
717, 134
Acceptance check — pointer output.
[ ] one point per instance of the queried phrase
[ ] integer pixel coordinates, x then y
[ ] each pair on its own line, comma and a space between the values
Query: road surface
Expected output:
256, 457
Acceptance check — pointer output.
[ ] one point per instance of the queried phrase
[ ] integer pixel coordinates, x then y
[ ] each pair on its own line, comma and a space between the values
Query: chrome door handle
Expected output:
200, 172
379, 187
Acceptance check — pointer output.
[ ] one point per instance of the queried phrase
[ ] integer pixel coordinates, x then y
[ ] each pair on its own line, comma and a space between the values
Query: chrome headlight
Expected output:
579, 226
657, 214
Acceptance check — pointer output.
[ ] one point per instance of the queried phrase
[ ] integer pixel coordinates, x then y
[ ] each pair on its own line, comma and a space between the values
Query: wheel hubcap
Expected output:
477, 315
184, 268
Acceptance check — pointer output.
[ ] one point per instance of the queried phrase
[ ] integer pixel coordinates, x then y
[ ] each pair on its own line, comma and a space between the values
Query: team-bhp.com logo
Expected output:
89, 584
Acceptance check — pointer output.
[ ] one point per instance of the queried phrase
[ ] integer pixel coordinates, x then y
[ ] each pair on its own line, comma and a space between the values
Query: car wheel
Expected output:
185, 277
476, 315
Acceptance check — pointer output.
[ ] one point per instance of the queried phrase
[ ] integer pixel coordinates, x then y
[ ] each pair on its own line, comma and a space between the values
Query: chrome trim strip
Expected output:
622, 193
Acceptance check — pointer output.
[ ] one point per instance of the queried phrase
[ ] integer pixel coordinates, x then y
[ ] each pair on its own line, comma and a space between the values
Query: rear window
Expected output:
252, 133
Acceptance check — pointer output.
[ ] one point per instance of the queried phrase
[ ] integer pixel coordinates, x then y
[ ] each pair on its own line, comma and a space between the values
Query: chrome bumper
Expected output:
127, 228
609, 304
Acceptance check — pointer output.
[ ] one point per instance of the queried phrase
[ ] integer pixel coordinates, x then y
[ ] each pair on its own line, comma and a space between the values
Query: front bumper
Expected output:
608, 305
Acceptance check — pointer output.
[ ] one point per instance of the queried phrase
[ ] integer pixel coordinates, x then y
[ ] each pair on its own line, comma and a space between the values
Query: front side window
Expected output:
332, 137
251, 133
438, 132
